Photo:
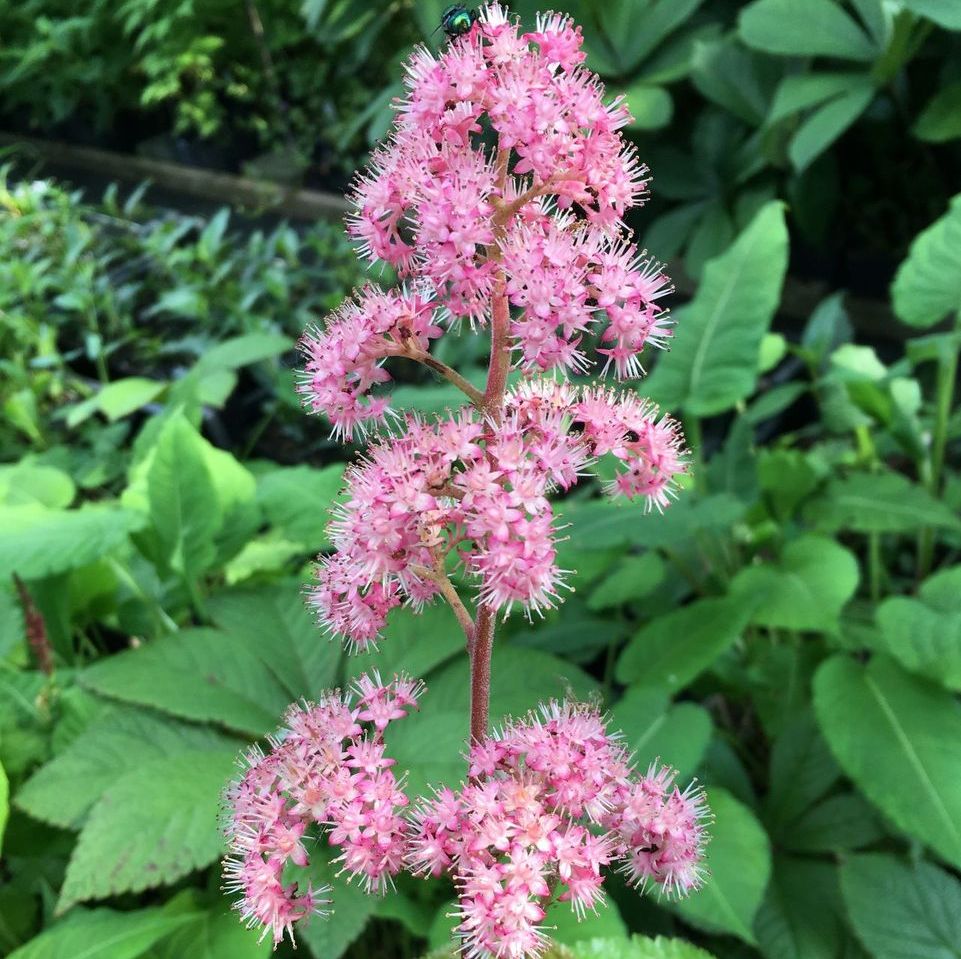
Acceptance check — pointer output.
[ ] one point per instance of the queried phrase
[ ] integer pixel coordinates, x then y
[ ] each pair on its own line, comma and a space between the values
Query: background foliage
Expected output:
789, 631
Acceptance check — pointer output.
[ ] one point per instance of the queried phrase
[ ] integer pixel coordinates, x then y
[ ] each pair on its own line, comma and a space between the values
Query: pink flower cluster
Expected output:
323, 768
551, 801
452, 487
539, 219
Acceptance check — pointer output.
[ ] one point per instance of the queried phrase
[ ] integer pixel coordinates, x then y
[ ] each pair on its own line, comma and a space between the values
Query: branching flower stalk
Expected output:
499, 200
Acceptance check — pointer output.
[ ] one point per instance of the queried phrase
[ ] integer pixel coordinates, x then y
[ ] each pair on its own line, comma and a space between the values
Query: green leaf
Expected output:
330, 937
805, 590
183, 502
801, 91
836, 824
827, 123
243, 350
923, 640
805, 28
564, 926
675, 649
214, 934
899, 739
633, 578
739, 863
638, 947
413, 643
706, 372
676, 734
878, 503
928, 284
922, 907
199, 674
24, 483
651, 106
4, 804
942, 591
273, 623
802, 771
123, 397
298, 499
101, 934
430, 744
62, 791
727, 73
945, 13
572, 633
800, 917
940, 120
152, 826
37, 542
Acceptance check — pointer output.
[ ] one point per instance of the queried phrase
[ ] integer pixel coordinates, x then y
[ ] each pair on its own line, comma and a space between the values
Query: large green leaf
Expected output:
921, 914
200, 674
805, 590
836, 824
922, 639
739, 863
638, 947
152, 826
928, 283
329, 937
676, 734
899, 739
118, 742
430, 745
828, 122
183, 502
273, 623
37, 542
633, 578
566, 928
215, 933
4, 803
674, 649
802, 771
945, 13
805, 28
101, 934
801, 917
879, 503
412, 643
298, 499
24, 483
713, 364
940, 120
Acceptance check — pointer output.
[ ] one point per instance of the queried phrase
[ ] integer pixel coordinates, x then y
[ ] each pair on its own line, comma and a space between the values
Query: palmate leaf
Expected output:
62, 791
922, 907
706, 372
899, 740
152, 826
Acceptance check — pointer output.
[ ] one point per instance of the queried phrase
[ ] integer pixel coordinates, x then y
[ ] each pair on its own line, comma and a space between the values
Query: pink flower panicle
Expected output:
550, 802
325, 768
453, 488
542, 214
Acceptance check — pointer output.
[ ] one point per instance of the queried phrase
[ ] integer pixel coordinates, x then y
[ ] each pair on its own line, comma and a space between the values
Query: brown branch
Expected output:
446, 587
449, 373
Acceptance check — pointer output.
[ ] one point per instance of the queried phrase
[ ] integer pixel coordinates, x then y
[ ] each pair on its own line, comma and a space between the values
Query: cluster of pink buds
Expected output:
452, 487
551, 801
326, 769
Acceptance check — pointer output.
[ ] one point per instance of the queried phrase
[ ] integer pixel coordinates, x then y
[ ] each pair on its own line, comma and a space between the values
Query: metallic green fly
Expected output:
456, 21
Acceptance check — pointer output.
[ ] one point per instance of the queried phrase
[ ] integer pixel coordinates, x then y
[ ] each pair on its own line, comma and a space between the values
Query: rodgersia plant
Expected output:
499, 199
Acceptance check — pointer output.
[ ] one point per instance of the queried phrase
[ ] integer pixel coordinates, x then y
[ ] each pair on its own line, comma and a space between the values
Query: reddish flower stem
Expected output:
482, 644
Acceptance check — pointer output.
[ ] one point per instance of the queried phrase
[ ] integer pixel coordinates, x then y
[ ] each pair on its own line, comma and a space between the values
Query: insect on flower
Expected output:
456, 21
